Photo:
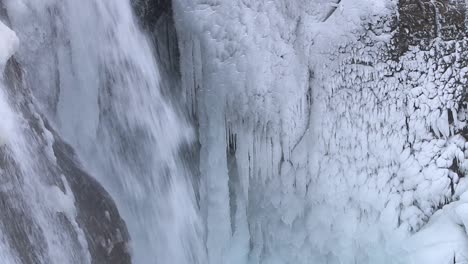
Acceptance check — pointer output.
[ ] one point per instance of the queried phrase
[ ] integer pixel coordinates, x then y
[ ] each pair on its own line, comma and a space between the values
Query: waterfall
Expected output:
233, 131
98, 82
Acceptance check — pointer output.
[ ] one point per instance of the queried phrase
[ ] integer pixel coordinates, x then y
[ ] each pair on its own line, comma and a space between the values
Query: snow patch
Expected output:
9, 43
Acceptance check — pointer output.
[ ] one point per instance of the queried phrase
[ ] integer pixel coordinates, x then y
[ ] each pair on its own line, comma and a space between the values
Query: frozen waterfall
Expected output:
233, 131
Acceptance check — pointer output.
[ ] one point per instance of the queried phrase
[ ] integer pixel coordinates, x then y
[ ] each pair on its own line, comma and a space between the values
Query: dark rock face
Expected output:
151, 11
105, 232
421, 21
156, 18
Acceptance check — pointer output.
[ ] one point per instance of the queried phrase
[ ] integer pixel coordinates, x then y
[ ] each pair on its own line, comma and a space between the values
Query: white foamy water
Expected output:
99, 81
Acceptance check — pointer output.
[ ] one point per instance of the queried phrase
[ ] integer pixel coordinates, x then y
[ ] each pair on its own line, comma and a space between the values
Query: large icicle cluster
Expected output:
326, 136
244, 66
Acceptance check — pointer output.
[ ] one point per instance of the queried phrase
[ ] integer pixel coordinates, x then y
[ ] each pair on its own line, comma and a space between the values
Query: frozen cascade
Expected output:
99, 83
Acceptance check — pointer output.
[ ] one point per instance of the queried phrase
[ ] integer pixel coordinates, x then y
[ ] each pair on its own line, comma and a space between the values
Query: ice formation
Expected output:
320, 142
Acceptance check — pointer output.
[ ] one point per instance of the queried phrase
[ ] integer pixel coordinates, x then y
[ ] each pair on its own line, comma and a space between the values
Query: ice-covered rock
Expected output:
344, 121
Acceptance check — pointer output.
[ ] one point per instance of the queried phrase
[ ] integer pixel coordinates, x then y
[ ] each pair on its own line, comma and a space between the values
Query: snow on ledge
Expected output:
9, 43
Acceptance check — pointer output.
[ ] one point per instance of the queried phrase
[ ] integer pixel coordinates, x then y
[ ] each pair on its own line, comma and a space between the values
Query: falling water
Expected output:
99, 83
39, 217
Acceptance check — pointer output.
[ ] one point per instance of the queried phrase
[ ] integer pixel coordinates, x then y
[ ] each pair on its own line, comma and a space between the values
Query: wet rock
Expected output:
151, 11
96, 213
